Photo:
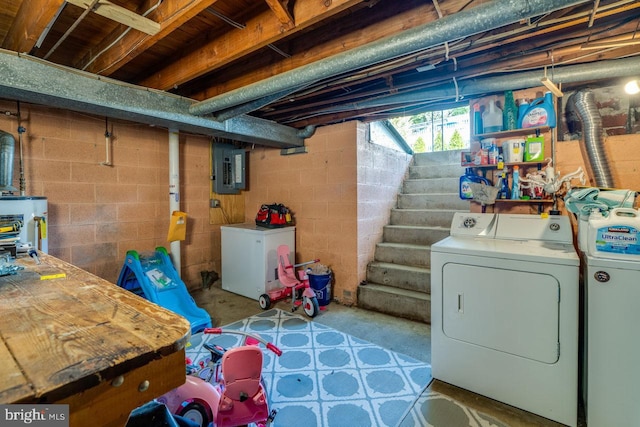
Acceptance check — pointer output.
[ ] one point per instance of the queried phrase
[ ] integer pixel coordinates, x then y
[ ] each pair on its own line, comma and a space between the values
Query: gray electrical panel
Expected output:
228, 169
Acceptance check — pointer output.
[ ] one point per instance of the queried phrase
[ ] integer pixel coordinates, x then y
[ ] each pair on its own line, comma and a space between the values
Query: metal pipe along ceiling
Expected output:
463, 24
614, 68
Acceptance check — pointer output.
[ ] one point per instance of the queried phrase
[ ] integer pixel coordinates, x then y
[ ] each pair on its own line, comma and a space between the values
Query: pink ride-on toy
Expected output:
296, 287
230, 391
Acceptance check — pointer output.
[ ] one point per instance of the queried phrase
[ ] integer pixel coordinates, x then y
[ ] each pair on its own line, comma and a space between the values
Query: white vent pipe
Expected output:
174, 190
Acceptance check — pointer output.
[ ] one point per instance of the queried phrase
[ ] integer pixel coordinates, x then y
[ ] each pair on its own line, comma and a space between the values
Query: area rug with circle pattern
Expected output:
325, 377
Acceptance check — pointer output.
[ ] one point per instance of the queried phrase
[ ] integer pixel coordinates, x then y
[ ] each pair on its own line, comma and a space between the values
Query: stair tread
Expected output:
447, 193
398, 291
383, 264
403, 245
439, 178
419, 227
429, 210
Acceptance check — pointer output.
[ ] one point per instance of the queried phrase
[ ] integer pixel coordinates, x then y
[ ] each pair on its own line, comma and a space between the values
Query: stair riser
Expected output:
414, 236
442, 157
411, 280
435, 185
425, 218
432, 201
420, 257
394, 305
435, 171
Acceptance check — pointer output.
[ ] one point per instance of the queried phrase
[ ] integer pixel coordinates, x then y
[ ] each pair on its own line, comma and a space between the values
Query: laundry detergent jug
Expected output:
616, 235
539, 112
465, 180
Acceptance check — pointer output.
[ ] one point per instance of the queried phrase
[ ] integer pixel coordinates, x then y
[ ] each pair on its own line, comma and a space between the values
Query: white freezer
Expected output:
249, 257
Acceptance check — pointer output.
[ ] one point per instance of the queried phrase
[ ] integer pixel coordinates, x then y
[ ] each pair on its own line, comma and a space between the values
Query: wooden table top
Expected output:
62, 335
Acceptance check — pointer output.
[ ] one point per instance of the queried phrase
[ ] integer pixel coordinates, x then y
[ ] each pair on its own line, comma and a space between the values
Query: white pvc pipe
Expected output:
174, 190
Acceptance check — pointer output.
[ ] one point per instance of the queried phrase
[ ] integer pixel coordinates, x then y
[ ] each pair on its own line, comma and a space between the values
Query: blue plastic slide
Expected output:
153, 277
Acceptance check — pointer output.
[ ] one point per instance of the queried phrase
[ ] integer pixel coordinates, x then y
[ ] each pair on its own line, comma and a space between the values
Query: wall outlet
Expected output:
214, 203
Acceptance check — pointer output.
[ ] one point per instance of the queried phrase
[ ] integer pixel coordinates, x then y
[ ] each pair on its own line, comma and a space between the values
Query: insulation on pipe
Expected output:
584, 105
7, 153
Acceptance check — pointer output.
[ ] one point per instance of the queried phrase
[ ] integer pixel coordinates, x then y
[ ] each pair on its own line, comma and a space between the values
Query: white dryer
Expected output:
504, 304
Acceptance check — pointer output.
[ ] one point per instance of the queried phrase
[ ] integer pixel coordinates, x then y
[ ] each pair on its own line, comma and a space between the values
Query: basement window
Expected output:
439, 130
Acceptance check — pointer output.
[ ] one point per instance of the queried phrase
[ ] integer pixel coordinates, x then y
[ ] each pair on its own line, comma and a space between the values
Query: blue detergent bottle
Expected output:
515, 185
540, 112
465, 180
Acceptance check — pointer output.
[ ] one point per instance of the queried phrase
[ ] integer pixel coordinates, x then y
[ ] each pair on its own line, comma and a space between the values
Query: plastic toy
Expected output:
153, 277
230, 391
295, 287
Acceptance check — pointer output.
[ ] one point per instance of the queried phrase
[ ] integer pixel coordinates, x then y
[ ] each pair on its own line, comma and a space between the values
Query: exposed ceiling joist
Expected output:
27, 25
279, 7
120, 48
380, 23
482, 18
119, 14
259, 32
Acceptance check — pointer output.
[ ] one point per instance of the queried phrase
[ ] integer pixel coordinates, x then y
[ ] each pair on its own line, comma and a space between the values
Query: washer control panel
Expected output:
473, 224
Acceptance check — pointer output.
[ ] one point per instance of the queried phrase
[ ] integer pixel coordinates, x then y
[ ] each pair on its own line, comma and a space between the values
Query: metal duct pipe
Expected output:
584, 104
7, 152
307, 132
626, 67
484, 17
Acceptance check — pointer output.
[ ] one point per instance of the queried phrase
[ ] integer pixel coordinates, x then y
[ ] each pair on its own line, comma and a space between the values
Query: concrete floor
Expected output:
400, 335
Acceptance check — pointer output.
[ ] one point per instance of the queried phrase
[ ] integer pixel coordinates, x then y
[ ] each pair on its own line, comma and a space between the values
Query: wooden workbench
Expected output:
83, 341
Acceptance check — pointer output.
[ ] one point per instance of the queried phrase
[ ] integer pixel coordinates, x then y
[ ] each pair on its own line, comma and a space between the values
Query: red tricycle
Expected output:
295, 287
230, 391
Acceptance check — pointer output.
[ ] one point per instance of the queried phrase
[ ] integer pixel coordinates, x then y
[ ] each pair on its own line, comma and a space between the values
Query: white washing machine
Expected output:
612, 281
504, 304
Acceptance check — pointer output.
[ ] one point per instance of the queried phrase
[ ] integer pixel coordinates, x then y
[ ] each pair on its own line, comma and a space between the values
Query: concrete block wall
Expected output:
381, 172
340, 193
320, 189
96, 212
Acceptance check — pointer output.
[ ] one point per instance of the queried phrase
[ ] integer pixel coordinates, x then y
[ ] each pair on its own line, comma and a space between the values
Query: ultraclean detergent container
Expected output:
616, 235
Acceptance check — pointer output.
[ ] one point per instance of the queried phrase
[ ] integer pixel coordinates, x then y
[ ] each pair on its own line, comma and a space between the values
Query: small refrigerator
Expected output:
249, 257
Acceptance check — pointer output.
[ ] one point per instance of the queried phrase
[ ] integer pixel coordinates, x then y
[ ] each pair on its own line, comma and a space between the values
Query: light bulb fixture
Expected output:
632, 87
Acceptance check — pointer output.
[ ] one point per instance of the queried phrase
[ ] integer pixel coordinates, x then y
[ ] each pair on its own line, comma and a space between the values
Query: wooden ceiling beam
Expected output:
280, 8
31, 20
117, 50
259, 32
383, 23
395, 23
120, 14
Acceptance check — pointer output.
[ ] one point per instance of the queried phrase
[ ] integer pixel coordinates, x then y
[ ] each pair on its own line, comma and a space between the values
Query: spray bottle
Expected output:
515, 186
503, 185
